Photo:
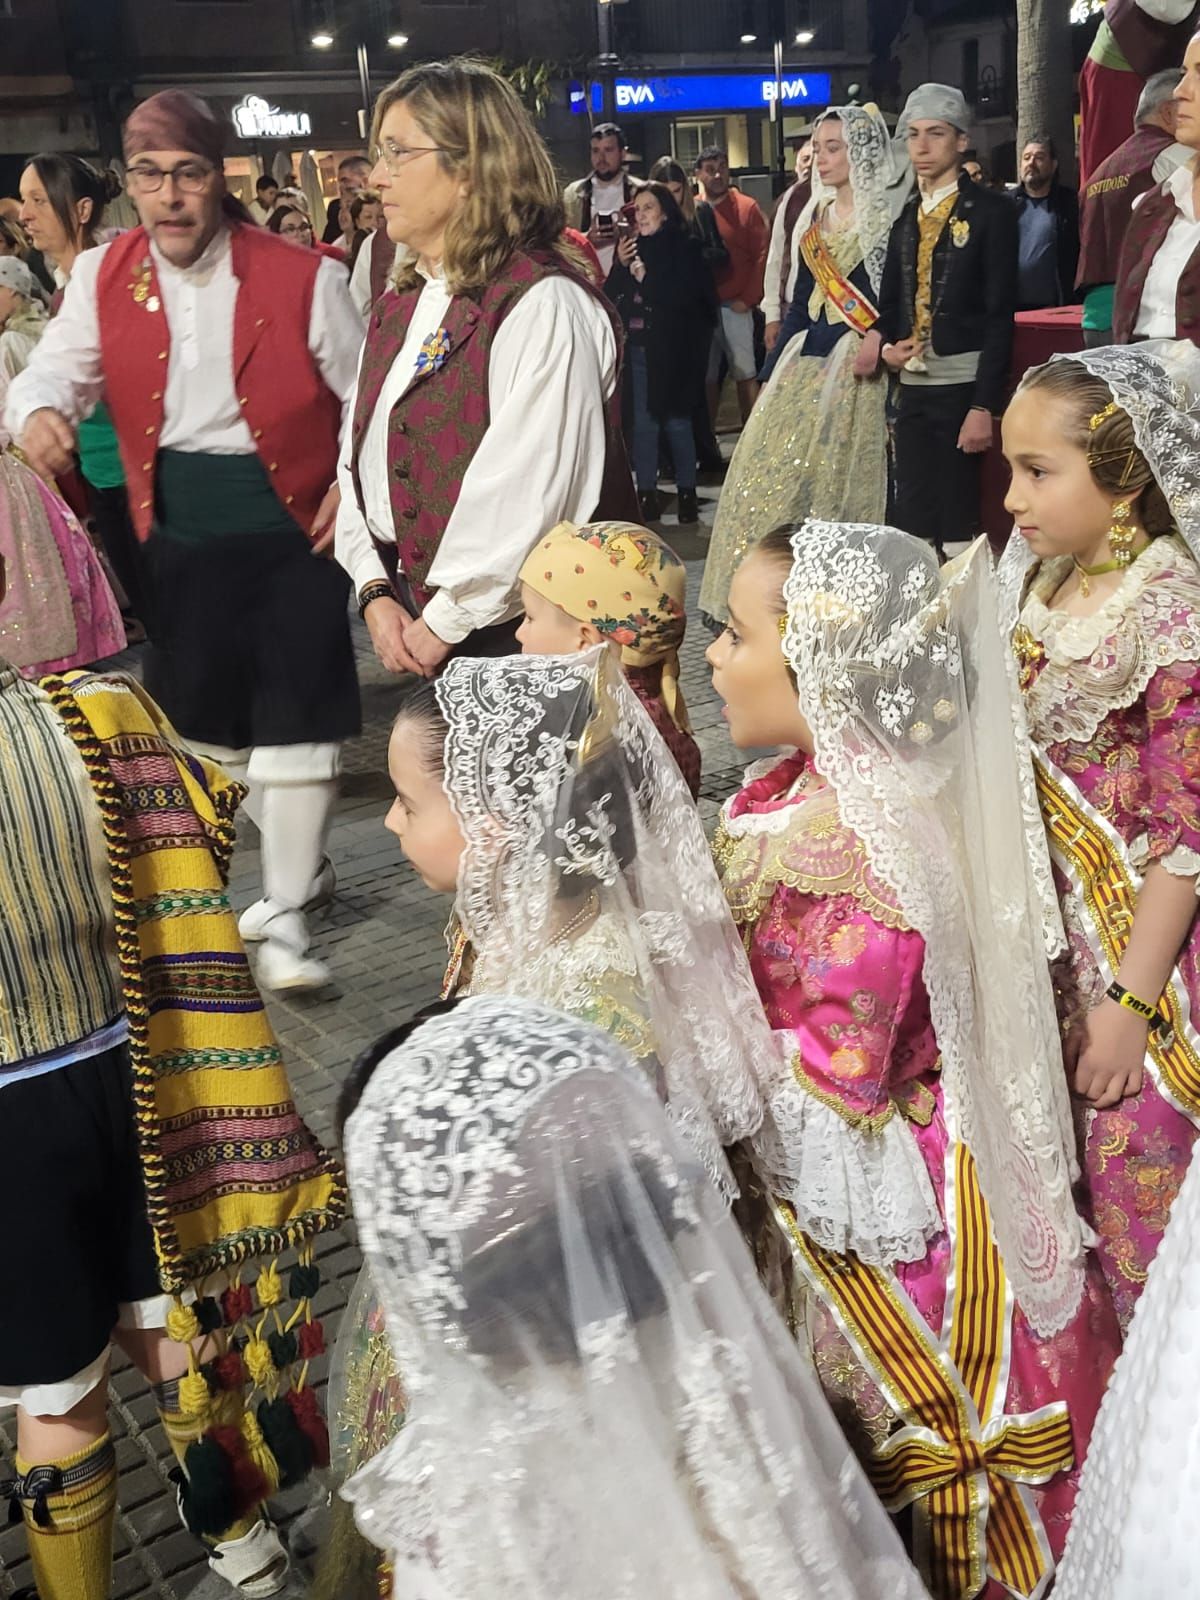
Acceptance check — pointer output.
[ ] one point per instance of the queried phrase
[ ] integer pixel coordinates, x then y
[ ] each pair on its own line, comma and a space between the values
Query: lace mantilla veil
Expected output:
604, 1405
585, 857
880, 179
1158, 383
906, 682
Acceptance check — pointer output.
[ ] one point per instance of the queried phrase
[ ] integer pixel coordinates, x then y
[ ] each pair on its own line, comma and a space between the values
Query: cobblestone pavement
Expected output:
382, 937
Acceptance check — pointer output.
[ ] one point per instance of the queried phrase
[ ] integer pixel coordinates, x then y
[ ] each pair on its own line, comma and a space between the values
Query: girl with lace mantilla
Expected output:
920, 1148
816, 441
536, 789
604, 1404
1102, 591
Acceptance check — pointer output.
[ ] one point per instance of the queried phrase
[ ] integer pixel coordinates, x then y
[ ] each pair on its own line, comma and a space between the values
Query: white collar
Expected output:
929, 201
1180, 185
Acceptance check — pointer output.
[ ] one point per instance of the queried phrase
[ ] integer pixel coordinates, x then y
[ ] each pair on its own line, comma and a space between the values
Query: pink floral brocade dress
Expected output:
1113, 703
840, 974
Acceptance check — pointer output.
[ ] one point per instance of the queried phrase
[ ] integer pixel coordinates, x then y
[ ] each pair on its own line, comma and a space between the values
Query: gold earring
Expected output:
1121, 534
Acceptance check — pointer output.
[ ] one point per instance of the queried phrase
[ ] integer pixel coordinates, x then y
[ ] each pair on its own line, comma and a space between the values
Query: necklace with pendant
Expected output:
1098, 571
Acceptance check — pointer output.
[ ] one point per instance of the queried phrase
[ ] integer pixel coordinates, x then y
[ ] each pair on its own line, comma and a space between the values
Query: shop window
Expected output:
689, 138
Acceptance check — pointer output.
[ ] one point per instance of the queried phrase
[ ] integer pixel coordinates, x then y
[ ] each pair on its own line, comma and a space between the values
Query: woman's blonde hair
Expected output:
1105, 432
485, 139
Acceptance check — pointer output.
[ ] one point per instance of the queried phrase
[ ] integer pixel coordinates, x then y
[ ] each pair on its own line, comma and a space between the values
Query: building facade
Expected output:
678, 74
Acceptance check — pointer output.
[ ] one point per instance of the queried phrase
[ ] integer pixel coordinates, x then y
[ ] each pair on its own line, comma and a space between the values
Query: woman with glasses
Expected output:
294, 225
483, 413
226, 357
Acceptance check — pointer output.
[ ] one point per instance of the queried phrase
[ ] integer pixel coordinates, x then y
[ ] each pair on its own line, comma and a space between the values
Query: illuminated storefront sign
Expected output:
726, 91
255, 118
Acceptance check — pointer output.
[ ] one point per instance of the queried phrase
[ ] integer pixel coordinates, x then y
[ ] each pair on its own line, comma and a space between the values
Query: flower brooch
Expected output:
434, 351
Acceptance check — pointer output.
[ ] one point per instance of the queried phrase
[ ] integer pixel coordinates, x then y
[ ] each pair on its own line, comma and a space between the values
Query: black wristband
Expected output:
377, 589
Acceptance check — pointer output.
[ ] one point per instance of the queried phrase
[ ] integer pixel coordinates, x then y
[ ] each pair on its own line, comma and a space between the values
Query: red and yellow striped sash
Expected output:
1093, 857
855, 307
958, 1459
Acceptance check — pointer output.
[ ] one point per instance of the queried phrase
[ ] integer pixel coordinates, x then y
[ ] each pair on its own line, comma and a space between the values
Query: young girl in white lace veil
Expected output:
537, 790
604, 1406
816, 441
921, 1147
1103, 599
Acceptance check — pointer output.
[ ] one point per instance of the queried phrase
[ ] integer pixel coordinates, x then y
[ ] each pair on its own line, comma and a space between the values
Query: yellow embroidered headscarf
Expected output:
628, 583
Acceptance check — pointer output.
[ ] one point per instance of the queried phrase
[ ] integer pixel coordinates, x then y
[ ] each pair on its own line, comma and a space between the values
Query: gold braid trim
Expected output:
817, 854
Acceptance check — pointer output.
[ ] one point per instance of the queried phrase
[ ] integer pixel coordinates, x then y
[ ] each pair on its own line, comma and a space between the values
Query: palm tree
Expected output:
1045, 86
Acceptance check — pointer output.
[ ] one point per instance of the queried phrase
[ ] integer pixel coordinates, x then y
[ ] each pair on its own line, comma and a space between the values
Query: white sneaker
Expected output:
252, 924
281, 968
256, 1565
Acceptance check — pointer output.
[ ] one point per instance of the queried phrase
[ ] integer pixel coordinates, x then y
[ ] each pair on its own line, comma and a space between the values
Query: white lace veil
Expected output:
880, 178
604, 1405
1158, 383
572, 807
907, 685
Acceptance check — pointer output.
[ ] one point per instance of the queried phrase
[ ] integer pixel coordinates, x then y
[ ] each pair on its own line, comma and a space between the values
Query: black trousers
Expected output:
110, 513
937, 484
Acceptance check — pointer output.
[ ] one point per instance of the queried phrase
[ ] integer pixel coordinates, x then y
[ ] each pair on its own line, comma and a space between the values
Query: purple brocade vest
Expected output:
1148, 228
436, 426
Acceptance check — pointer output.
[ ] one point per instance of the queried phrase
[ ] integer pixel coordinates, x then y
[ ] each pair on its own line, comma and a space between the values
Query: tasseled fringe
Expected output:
231, 1469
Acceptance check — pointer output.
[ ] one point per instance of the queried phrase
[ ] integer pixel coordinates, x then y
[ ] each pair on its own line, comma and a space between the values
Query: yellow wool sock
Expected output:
69, 1507
182, 1430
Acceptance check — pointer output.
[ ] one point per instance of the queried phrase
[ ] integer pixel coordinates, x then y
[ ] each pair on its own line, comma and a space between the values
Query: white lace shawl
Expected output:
908, 687
604, 1405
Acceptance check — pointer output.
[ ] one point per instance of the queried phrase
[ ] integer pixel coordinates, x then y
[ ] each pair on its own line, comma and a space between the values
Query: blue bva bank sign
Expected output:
728, 91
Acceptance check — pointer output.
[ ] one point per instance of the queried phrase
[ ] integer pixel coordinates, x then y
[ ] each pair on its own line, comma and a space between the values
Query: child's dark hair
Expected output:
1117, 465
361, 1073
776, 547
419, 709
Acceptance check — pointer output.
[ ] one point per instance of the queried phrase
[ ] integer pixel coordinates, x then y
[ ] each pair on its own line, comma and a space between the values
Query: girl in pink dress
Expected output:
59, 611
1102, 593
920, 1148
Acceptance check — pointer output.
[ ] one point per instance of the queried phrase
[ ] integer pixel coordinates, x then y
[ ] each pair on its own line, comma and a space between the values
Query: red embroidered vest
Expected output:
1148, 228
436, 426
1107, 203
292, 413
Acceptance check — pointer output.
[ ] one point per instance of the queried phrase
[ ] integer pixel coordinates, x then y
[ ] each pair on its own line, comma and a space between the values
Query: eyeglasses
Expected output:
296, 232
189, 177
395, 156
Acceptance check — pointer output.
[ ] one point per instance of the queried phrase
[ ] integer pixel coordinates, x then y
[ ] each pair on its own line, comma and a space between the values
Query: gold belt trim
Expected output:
1093, 858
963, 1476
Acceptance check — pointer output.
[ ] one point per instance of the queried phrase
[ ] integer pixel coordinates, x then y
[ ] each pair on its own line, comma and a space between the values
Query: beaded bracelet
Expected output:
377, 589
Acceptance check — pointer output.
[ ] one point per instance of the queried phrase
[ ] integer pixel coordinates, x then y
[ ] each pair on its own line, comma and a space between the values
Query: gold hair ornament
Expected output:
1099, 458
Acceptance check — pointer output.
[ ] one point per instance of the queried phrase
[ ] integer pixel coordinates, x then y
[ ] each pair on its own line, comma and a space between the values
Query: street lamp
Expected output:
323, 39
805, 36
397, 40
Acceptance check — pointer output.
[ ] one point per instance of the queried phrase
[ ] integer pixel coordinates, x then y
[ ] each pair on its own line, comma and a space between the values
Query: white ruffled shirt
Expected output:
200, 402
552, 367
1156, 314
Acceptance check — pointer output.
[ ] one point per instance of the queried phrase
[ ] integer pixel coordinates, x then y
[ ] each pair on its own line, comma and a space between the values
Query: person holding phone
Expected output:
592, 203
665, 291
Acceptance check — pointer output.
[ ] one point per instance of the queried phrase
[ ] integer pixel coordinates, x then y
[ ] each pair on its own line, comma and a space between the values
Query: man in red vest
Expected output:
226, 358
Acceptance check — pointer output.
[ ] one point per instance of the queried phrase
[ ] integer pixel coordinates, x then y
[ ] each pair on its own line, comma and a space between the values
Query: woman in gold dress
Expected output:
816, 442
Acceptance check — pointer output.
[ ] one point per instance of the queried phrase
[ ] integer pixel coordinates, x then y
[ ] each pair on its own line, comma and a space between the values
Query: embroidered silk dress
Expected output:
902, 1353
1113, 702
816, 441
